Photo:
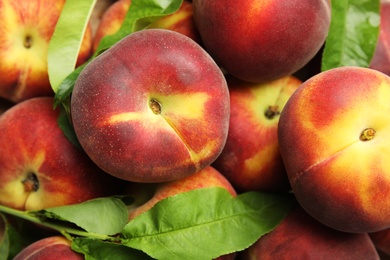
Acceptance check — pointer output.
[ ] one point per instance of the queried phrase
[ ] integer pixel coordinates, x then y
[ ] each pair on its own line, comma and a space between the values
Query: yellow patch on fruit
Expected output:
188, 106
261, 158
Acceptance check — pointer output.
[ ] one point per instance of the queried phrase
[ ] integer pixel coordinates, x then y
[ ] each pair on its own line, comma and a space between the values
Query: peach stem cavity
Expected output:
367, 134
155, 106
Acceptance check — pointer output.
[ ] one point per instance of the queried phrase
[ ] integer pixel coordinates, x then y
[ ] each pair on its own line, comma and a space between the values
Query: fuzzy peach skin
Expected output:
39, 166
153, 108
381, 59
333, 137
251, 159
26, 28
49, 248
180, 21
260, 41
148, 194
299, 236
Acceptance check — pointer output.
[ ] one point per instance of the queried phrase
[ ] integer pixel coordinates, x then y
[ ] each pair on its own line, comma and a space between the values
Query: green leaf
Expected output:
15, 234
140, 14
65, 43
100, 250
105, 216
353, 33
4, 238
205, 223
67, 128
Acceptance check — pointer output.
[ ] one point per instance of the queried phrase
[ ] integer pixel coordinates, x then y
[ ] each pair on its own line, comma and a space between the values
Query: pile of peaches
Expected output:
226, 94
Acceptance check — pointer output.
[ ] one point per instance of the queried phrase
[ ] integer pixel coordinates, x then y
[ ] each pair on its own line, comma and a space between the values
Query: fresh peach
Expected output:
152, 108
251, 159
180, 21
54, 247
260, 41
148, 194
333, 137
299, 236
26, 29
381, 59
39, 166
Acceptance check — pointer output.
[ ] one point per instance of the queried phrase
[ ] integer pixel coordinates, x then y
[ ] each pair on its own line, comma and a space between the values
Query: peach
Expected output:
152, 108
260, 41
26, 29
333, 137
251, 159
39, 166
381, 59
180, 21
54, 247
299, 236
148, 194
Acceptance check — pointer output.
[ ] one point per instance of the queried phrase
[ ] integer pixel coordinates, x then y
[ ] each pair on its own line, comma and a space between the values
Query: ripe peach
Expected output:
261, 41
55, 247
381, 59
26, 29
148, 194
333, 137
299, 236
251, 159
39, 166
180, 21
152, 108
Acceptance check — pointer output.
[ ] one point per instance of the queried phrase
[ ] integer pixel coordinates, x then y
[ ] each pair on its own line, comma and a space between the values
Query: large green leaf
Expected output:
105, 216
353, 33
65, 43
205, 223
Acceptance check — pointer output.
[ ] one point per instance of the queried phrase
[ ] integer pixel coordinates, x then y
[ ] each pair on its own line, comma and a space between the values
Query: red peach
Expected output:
299, 236
260, 41
55, 247
152, 108
39, 166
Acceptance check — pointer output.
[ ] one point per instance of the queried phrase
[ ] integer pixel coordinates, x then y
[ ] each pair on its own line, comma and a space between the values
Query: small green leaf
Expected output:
100, 250
205, 223
353, 34
65, 43
105, 216
67, 128
4, 238
15, 234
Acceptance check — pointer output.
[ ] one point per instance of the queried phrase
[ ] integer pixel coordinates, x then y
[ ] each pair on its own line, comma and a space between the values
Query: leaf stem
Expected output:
64, 230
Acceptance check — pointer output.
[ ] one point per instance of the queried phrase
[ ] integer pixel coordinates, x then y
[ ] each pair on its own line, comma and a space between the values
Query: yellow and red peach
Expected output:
39, 166
333, 137
180, 21
26, 29
251, 159
152, 108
